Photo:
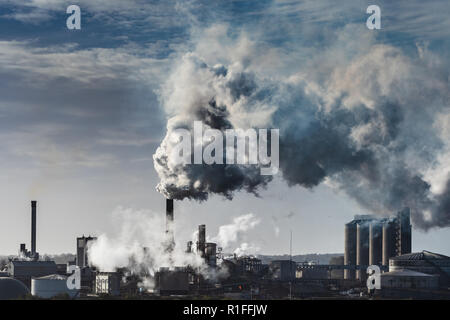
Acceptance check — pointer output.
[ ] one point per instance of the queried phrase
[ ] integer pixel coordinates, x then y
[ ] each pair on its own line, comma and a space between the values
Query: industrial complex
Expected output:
369, 241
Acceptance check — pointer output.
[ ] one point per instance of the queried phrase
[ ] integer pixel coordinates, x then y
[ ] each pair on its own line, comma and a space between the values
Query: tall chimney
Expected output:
201, 243
169, 224
33, 227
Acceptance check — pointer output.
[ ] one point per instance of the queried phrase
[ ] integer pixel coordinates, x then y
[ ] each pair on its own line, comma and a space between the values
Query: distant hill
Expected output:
320, 258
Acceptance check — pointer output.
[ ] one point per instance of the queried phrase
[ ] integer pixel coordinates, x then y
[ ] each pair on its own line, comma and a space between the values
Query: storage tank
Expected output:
388, 241
350, 249
362, 247
11, 289
51, 286
211, 251
404, 221
376, 243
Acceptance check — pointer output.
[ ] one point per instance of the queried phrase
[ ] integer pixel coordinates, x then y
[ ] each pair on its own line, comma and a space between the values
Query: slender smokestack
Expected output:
169, 224
201, 240
169, 215
33, 227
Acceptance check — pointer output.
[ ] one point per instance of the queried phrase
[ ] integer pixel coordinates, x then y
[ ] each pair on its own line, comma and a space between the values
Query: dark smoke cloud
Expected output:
373, 124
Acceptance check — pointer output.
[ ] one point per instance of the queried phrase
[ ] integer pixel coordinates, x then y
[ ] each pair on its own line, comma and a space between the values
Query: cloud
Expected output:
87, 66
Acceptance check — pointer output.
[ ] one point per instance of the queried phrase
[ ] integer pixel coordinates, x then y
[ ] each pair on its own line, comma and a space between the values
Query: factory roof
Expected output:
407, 273
52, 277
424, 255
31, 263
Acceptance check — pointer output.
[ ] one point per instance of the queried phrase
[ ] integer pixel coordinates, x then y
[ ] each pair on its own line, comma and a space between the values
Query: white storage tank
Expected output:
50, 286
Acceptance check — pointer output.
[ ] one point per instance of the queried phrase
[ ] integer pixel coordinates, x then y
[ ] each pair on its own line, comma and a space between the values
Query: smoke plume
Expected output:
139, 246
365, 118
234, 233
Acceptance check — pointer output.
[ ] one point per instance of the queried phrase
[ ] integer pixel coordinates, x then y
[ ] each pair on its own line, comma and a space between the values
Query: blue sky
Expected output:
81, 114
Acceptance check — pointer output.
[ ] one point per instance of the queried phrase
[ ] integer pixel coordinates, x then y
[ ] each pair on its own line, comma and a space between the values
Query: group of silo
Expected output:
372, 241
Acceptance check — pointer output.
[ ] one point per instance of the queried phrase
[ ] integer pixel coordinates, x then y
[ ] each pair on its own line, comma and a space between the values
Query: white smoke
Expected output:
233, 237
139, 246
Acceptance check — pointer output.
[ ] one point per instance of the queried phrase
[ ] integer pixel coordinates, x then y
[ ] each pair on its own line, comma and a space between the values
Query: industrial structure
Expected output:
82, 250
107, 283
51, 286
12, 289
23, 252
370, 240
170, 239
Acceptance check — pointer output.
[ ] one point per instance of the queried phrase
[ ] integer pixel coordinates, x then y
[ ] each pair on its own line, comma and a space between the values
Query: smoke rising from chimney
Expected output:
372, 121
140, 245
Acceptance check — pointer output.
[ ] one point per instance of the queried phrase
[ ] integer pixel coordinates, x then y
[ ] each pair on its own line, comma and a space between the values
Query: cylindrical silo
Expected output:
350, 249
362, 247
388, 242
375, 243
211, 252
51, 286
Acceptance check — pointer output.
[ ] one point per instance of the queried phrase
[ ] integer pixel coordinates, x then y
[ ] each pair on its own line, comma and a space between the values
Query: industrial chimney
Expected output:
33, 227
201, 243
169, 224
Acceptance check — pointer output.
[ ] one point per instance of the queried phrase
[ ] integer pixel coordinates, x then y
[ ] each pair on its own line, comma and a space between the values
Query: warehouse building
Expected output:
25, 270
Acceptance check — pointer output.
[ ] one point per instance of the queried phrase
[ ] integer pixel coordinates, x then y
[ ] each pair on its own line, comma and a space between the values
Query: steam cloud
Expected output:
233, 233
365, 118
140, 246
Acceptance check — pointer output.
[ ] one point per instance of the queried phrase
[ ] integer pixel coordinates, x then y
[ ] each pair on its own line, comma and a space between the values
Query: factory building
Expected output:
207, 250
248, 264
424, 262
408, 279
82, 250
172, 282
107, 283
283, 270
25, 270
370, 240
306, 271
